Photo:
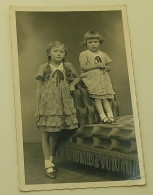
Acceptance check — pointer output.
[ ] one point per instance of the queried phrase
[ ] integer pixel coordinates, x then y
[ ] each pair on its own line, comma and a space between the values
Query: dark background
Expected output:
36, 29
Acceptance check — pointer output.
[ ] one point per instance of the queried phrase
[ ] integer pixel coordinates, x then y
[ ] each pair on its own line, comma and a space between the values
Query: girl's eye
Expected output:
62, 51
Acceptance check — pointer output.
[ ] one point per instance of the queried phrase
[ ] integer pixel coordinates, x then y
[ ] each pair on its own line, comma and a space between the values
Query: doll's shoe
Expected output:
50, 173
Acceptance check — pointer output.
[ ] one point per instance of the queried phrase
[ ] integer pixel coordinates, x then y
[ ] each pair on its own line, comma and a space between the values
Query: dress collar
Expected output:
60, 67
94, 53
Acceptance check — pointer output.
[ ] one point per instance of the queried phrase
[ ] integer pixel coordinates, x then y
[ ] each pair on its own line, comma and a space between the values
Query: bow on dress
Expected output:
59, 76
99, 60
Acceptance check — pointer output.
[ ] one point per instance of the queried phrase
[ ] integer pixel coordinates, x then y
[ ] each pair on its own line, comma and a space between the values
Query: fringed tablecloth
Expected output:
106, 146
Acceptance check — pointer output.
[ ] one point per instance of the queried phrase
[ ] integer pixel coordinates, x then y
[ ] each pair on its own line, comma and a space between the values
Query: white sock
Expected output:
110, 115
103, 117
51, 161
47, 163
51, 158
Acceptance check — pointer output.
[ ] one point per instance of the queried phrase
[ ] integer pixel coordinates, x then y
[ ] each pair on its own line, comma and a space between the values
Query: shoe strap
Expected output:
112, 119
49, 169
105, 119
49, 164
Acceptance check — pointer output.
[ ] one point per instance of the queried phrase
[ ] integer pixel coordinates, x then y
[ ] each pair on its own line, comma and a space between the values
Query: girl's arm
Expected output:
107, 62
108, 67
85, 66
39, 84
76, 81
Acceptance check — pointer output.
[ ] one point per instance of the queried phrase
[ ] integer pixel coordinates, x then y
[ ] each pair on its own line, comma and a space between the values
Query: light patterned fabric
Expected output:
56, 106
97, 81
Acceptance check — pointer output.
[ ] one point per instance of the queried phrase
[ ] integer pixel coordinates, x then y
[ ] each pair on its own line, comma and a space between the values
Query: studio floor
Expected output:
68, 172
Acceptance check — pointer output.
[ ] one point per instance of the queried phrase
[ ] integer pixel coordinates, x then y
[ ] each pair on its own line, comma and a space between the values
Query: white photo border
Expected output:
22, 185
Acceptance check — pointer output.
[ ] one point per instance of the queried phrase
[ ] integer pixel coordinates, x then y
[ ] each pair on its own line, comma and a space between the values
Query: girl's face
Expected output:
57, 53
93, 44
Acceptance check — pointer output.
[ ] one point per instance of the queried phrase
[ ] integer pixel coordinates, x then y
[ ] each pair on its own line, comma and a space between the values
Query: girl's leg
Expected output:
100, 110
46, 145
53, 141
108, 109
46, 152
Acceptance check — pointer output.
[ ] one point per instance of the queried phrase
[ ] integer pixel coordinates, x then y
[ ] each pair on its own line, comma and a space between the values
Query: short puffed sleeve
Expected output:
70, 71
41, 72
75, 74
107, 59
83, 58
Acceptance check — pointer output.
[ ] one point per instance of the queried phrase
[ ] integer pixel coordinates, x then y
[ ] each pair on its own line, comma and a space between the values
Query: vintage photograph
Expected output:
75, 103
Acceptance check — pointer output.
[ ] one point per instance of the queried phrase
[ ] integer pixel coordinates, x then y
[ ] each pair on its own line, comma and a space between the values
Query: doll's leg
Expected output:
100, 110
108, 110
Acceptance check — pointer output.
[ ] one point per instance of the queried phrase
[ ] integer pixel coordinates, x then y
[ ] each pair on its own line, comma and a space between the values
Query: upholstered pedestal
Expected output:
105, 146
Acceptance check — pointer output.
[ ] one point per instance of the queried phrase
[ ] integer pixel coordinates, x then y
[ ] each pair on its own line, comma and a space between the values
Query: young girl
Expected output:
95, 65
55, 108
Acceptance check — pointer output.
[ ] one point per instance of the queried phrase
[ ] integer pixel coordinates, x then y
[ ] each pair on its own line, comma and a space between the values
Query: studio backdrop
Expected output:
35, 30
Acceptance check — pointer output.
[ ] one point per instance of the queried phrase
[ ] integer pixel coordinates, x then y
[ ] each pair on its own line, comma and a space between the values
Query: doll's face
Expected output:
93, 44
57, 53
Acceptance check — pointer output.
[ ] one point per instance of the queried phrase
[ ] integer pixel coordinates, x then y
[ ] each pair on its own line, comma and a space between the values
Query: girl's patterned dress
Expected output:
97, 81
56, 107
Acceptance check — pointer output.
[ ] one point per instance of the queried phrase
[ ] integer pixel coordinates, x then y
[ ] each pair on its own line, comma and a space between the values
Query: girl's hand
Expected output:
108, 68
37, 116
101, 65
72, 87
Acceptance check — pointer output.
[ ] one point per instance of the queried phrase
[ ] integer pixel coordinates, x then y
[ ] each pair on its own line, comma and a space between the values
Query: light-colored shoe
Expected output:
104, 121
50, 172
111, 120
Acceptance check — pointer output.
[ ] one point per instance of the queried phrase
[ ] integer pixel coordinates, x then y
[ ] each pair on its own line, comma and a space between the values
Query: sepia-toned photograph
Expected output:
77, 121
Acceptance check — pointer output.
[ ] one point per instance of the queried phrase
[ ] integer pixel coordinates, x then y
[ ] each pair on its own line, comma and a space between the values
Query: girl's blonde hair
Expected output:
54, 44
92, 35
